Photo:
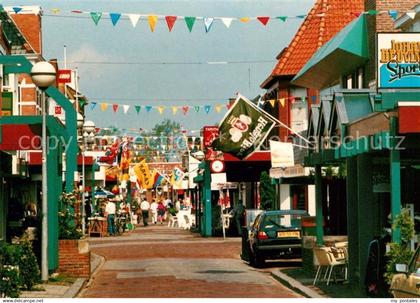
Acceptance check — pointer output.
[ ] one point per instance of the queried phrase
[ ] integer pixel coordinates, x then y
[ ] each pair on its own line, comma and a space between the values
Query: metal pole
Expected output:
93, 188
44, 239
83, 189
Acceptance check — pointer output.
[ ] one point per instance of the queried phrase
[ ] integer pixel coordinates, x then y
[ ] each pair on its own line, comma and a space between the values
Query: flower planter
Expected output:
74, 258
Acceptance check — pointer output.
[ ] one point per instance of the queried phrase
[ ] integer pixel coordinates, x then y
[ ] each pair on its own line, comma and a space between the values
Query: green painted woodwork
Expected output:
207, 230
395, 173
318, 205
389, 100
344, 53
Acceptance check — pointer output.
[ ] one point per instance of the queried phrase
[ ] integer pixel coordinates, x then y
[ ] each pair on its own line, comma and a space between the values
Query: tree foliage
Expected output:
267, 192
166, 127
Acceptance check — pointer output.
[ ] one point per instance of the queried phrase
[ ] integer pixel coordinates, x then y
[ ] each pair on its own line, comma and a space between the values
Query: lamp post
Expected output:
88, 138
43, 75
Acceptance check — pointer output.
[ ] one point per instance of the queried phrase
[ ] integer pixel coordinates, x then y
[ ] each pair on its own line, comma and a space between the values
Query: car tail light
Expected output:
262, 235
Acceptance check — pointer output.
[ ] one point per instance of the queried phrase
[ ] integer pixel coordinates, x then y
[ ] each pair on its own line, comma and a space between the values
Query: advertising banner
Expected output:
398, 60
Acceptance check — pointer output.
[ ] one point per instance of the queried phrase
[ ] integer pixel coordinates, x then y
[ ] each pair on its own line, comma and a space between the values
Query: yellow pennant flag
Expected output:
143, 175
161, 109
244, 19
218, 108
282, 102
272, 102
55, 10
174, 109
104, 106
152, 22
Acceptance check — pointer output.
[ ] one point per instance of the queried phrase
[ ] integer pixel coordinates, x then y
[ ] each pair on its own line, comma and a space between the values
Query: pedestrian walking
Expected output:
161, 212
110, 210
145, 206
153, 208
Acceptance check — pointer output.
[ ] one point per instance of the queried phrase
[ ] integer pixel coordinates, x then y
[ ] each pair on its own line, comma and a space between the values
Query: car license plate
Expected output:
288, 234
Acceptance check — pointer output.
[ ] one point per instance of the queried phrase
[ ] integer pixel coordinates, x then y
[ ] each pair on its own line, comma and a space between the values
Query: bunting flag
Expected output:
263, 20
301, 16
138, 108
76, 12
55, 10
17, 9
115, 17
372, 12
174, 110
82, 103
104, 106
96, 16
411, 14
152, 22
185, 109
134, 18
218, 108
190, 22
170, 20
282, 102
207, 108
272, 102
393, 14
161, 109
244, 19
227, 22
125, 108
197, 108
93, 105
115, 107
148, 108
208, 22
283, 18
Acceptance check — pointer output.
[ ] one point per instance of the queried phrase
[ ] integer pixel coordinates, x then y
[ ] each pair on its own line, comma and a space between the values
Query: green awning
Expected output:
340, 56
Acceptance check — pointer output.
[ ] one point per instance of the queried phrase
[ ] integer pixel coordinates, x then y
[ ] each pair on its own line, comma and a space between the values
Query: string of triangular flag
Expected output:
190, 21
282, 101
185, 109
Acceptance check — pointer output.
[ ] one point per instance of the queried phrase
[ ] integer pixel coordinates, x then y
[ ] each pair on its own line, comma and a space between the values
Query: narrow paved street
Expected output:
162, 262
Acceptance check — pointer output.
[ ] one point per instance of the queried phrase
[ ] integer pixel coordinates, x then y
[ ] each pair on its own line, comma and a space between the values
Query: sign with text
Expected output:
398, 60
281, 154
64, 76
210, 133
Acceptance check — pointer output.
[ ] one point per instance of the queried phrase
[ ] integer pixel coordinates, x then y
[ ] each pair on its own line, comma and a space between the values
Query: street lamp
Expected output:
43, 75
88, 138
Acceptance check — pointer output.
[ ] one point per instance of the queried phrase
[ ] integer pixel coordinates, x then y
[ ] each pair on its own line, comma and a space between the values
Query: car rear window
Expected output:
281, 221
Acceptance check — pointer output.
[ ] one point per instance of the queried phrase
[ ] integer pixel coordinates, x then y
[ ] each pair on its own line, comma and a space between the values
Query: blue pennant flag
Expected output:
148, 108
207, 108
115, 17
313, 99
92, 105
393, 14
17, 9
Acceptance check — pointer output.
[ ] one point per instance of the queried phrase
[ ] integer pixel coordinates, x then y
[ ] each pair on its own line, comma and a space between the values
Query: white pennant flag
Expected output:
411, 14
208, 22
134, 18
227, 21
125, 108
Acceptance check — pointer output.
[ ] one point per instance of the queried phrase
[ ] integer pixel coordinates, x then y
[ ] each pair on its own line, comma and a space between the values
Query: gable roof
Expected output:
324, 21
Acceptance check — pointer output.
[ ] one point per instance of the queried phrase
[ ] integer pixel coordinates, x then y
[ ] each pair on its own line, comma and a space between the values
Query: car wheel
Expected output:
258, 260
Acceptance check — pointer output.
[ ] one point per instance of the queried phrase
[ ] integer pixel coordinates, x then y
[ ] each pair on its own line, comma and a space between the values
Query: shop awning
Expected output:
340, 56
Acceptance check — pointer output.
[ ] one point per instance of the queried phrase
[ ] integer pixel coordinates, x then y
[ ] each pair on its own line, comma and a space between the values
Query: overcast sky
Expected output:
163, 84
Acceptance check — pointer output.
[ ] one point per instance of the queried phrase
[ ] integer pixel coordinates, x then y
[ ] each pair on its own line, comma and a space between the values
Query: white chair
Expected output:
187, 220
172, 221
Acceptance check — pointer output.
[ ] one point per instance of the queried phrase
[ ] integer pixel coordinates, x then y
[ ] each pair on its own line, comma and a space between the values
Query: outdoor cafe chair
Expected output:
172, 221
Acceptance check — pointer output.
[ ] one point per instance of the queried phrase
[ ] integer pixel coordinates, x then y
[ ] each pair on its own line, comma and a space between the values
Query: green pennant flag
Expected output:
283, 18
243, 129
138, 108
190, 22
96, 16
197, 108
372, 12
82, 103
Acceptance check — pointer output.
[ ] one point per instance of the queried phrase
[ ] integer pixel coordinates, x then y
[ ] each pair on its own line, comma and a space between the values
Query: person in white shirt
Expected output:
145, 206
153, 208
110, 210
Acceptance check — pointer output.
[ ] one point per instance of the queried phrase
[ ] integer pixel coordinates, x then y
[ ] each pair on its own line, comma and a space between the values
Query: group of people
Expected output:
159, 208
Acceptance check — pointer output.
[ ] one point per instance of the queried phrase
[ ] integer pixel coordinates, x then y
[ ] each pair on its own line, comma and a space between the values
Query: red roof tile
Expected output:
324, 20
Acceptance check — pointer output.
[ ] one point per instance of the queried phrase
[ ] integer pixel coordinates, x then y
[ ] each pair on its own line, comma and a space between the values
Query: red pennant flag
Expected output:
292, 99
228, 106
76, 12
185, 109
263, 20
357, 14
170, 20
115, 107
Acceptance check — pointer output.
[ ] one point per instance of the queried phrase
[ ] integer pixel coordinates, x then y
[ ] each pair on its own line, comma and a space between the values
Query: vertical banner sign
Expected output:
243, 129
210, 133
398, 60
64, 76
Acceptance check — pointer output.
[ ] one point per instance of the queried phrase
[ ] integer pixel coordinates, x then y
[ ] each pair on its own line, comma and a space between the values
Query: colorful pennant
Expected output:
170, 20
114, 18
185, 109
152, 22
207, 108
263, 20
190, 22
104, 106
197, 108
134, 18
138, 108
96, 16
92, 105
115, 107
227, 21
148, 108
208, 22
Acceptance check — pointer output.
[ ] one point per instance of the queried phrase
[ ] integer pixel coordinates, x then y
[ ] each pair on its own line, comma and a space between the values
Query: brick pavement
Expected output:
162, 262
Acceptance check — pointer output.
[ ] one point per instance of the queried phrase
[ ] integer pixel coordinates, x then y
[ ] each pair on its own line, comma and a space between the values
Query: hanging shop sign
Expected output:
64, 76
210, 133
398, 60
